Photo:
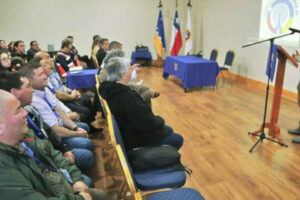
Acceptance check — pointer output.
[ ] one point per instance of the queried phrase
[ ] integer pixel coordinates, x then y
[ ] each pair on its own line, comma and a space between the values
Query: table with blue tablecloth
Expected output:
193, 71
82, 80
138, 55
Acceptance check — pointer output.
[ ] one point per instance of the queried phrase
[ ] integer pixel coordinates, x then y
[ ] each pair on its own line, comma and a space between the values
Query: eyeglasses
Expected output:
5, 59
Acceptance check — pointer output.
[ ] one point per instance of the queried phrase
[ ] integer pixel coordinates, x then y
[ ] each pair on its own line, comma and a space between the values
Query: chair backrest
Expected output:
105, 108
118, 135
94, 58
229, 59
214, 54
126, 170
97, 83
103, 102
111, 130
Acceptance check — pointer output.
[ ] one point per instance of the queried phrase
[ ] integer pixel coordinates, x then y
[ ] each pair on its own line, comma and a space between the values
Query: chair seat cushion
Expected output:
177, 194
159, 179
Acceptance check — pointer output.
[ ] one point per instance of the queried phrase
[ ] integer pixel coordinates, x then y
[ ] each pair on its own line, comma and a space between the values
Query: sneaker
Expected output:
296, 140
294, 131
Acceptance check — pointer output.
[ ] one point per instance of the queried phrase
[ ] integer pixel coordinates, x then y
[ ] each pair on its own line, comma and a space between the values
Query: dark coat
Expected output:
100, 56
138, 125
22, 178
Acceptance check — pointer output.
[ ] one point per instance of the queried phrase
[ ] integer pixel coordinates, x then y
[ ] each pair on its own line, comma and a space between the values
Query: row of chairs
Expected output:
151, 184
229, 58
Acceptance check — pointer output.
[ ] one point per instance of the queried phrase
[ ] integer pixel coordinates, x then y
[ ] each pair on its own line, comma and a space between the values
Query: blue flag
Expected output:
159, 36
272, 65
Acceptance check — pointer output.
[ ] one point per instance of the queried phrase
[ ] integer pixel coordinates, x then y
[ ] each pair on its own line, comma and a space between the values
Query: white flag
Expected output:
188, 35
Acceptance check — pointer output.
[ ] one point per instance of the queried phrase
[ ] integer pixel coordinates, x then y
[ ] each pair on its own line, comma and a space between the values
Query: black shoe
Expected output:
294, 131
296, 140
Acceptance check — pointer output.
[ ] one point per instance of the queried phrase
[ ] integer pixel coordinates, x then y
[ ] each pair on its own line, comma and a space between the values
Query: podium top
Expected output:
286, 54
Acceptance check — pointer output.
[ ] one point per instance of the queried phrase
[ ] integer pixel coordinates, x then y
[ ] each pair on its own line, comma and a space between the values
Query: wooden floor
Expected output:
214, 124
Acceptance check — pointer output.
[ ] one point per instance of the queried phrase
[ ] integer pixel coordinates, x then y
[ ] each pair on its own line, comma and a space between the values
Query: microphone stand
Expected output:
262, 135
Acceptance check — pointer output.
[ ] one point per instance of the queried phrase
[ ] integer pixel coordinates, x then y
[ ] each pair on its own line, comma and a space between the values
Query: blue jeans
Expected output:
83, 106
84, 159
88, 181
79, 142
83, 125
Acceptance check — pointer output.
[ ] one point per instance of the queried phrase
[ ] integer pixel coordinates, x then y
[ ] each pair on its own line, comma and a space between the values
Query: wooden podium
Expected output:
274, 129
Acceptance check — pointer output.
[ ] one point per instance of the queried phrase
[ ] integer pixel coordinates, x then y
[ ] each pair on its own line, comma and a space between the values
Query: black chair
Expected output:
214, 54
228, 63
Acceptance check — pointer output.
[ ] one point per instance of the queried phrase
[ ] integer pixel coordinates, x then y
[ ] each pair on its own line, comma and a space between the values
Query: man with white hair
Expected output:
138, 125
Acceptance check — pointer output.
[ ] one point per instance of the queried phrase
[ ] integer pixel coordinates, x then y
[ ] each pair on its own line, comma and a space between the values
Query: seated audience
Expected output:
20, 87
51, 111
138, 125
19, 50
34, 48
64, 59
71, 98
104, 45
31, 167
5, 60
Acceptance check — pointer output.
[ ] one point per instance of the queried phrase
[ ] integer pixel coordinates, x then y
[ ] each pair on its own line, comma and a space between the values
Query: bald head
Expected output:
46, 57
42, 54
13, 121
4, 96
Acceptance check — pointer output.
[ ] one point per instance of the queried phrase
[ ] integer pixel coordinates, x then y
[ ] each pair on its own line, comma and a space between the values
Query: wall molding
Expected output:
287, 94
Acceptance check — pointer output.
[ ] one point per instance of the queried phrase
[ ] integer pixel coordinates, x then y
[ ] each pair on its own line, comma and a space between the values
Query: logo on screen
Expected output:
280, 14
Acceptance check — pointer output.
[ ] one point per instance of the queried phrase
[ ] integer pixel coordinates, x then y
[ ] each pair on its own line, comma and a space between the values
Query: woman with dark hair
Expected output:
17, 63
5, 60
11, 47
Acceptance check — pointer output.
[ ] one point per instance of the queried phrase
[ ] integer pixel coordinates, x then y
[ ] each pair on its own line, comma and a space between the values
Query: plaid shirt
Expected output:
55, 82
49, 115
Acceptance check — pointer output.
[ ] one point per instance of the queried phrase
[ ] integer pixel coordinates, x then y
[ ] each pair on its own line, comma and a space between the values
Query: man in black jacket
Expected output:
104, 45
138, 125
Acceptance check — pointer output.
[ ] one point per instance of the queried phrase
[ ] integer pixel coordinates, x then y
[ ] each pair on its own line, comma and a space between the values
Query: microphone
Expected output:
294, 30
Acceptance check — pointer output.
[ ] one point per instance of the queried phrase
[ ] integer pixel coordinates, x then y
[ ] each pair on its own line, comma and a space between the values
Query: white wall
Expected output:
131, 22
229, 24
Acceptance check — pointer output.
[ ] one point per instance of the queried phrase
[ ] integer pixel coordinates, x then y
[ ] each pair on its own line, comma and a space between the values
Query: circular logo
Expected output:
188, 35
280, 16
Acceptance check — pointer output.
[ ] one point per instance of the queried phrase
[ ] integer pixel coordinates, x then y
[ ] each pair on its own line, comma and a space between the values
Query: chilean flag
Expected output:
176, 41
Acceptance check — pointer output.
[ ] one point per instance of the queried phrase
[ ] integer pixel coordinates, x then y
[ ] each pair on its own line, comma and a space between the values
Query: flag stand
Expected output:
262, 134
159, 62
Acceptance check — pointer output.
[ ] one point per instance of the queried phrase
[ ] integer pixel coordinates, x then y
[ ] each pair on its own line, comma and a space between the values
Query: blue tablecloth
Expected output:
193, 71
83, 80
135, 55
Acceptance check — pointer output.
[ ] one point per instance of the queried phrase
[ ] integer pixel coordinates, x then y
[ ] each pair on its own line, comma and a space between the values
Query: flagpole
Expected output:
189, 4
188, 35
160, 4
176, 4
